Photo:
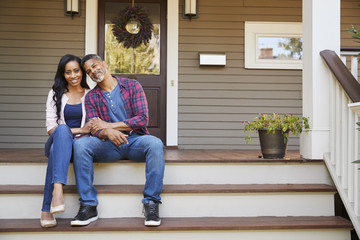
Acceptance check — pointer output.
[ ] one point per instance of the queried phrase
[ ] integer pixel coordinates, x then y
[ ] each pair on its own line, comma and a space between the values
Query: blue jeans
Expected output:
58, 149
141, 148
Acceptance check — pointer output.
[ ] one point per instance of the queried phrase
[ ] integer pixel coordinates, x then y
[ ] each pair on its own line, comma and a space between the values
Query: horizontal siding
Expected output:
34, 34
239, 102
213, 101
240, 95
350, 15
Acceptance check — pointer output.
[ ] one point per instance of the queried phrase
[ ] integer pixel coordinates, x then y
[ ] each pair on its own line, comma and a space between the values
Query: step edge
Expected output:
193, 224
183, 188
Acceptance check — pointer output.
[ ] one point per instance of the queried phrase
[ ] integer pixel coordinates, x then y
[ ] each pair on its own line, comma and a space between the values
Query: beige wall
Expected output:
34, 34
213, 101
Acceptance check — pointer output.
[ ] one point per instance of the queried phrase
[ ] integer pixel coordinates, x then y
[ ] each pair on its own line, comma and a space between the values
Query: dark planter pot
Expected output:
272, 145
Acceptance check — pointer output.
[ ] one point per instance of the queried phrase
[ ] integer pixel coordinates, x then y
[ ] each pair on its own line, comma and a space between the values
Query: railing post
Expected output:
351, 156
356, 173
354, 66
344, 139
332, 119
338, 129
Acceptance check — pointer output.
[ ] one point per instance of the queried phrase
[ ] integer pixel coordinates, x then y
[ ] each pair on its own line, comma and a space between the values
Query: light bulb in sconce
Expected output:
133, 26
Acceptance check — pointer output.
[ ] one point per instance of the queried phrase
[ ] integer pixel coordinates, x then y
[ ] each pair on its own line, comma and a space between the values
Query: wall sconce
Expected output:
190, 9
72, 8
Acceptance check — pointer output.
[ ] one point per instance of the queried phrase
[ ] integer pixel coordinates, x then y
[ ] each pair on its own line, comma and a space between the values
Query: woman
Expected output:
65, 122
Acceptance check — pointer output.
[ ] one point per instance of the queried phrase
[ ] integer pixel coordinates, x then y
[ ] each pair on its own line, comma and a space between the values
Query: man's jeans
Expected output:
58, 149
141, 148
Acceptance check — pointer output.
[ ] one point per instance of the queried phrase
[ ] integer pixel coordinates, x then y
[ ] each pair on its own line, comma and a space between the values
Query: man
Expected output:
118, 111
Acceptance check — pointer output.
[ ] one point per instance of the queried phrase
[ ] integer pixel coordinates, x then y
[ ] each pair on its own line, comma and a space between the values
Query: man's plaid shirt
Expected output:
134, 100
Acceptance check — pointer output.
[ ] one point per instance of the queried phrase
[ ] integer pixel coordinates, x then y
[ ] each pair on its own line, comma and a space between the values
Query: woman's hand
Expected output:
86, 128
51, 130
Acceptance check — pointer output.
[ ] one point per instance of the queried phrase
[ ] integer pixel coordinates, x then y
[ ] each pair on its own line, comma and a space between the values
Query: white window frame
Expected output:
254, 30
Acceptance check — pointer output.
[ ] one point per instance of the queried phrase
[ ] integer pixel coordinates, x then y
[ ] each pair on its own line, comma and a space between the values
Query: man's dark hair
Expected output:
88, 57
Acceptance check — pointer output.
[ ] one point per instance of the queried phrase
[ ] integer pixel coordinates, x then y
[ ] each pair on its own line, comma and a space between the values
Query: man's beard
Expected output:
98, 76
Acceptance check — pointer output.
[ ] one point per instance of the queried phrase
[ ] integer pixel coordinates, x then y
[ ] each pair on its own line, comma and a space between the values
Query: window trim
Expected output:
254, 30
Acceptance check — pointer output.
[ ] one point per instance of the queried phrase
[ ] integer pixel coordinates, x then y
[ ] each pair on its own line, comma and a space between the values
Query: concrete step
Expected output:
270, 228
118, 201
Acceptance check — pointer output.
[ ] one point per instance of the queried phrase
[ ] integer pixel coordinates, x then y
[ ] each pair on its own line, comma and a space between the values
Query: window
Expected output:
273, 45
144, 59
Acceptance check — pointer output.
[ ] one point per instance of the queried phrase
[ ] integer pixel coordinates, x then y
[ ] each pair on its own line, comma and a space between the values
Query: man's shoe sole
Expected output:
83, 223
152, 223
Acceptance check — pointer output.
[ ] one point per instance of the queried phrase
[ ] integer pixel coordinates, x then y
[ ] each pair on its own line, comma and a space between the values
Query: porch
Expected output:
208, 194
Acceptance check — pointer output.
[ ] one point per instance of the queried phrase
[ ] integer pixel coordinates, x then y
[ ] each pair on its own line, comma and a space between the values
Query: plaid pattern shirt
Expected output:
134, 100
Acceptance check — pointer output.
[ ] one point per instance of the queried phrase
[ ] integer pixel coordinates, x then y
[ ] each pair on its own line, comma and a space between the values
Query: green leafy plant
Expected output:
288, 124
355, 33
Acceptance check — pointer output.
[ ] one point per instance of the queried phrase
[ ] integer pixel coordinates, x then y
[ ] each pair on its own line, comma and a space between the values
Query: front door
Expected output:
145, 63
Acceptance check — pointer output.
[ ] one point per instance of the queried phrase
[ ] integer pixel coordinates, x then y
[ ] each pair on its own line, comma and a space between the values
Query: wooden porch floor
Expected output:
171, 155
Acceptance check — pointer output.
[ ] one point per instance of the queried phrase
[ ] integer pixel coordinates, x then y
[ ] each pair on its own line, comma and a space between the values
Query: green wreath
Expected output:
129, 39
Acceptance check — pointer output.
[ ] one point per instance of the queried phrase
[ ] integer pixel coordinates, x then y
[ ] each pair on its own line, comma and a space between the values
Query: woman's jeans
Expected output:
141, 148
58, 149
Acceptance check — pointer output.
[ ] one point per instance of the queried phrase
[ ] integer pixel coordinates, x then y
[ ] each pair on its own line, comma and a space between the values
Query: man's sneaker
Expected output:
85, 216
151, 212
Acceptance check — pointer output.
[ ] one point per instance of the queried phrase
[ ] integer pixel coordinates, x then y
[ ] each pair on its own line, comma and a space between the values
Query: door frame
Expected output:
91, 45
154, 85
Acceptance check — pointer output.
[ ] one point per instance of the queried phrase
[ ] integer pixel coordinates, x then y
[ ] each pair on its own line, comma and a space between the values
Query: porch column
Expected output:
91, 32
321, 30
172, 73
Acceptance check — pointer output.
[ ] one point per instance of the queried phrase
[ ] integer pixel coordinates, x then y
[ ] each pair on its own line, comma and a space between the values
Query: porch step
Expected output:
208, 194
183, 224
195, 200
182, 167
180, 156
279, 228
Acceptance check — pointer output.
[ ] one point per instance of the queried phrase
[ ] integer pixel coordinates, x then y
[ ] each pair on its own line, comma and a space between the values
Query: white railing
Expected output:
344, 143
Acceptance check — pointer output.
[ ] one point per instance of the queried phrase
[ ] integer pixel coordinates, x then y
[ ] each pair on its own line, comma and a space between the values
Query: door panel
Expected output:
147, 64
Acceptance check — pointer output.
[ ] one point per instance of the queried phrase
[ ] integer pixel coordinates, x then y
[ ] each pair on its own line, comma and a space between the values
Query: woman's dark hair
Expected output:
61, 85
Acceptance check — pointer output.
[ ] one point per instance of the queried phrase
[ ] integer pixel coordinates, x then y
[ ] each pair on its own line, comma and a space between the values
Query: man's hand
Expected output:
115, 136
98, 124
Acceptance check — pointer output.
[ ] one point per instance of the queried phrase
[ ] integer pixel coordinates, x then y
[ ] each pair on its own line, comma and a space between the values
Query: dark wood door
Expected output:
147, 64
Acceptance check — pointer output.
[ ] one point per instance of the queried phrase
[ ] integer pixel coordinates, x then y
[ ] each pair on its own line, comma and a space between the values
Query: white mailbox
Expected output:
214, 59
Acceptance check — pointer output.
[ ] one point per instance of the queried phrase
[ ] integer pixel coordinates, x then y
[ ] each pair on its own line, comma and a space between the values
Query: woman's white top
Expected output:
51, 116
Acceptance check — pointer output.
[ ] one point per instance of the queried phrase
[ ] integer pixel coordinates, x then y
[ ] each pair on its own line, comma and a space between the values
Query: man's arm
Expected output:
91, 112
100, 128
139, 109
139, 106
98, 124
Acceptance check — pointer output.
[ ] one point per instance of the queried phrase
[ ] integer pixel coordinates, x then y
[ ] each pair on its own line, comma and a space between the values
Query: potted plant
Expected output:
274, 132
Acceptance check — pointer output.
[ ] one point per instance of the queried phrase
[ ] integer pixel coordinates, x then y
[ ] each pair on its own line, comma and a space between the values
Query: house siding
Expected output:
214, 101
34, 34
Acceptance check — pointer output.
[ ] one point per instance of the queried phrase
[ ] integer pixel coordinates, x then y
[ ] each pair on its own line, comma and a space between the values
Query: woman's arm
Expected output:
84, 130
51, 117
